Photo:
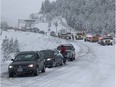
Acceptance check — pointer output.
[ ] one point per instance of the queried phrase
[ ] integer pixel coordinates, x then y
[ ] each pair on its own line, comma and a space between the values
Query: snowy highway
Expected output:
85, 71
36, 25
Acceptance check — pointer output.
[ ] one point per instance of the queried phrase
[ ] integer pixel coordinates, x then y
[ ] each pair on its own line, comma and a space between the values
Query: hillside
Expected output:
46, 25
88, 15
33, 41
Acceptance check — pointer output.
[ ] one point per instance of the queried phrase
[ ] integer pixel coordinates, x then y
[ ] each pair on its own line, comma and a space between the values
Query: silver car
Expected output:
70, 51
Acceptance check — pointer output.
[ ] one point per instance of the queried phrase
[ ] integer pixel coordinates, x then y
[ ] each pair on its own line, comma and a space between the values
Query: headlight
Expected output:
110, 41
103, 40
31, 65
49, 59
10, 66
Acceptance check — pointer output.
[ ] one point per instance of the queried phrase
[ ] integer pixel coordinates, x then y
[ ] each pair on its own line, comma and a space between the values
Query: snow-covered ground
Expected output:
94, 65
32, 41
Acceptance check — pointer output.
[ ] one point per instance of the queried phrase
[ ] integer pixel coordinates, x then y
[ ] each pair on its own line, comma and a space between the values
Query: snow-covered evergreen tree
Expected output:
11, 48
5, 49
94, 15
4, 26
16, 46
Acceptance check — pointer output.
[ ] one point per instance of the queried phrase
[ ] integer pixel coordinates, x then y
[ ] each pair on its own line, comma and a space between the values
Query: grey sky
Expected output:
12, 10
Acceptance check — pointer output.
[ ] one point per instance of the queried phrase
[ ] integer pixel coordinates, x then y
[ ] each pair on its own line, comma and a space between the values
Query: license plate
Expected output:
20, 70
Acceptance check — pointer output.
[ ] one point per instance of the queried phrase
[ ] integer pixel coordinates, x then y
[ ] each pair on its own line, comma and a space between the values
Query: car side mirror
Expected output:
37, 57
12, 59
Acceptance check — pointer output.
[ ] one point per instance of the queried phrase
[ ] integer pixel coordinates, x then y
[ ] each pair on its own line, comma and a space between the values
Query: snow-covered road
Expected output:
85, 71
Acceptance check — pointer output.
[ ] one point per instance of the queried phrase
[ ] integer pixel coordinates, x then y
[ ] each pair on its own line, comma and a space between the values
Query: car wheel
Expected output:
61, 62
64, 61
54, 64
43, 70
36, 72
11, 75
71, 59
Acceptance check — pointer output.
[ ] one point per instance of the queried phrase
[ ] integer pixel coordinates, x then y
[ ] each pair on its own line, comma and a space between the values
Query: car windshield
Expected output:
107, 38
79, 34
47, 53
25, 57
95, 37
67, 47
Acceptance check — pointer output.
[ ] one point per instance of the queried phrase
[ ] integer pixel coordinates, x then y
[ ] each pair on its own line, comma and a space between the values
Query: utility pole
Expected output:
56, 25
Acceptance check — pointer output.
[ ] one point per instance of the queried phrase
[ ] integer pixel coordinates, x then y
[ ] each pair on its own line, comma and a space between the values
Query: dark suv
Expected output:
53, 58
27, 62
70, 51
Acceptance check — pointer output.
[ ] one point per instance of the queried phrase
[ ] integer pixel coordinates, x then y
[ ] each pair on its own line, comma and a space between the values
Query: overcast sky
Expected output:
12, 10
